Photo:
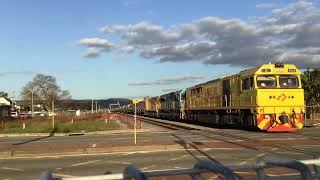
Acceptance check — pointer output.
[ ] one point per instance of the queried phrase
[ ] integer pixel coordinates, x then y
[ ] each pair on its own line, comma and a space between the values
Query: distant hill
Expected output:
84, 104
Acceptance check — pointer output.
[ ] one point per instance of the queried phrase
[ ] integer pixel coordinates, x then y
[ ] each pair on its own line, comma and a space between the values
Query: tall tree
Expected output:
44, 88
311, 85
3, 94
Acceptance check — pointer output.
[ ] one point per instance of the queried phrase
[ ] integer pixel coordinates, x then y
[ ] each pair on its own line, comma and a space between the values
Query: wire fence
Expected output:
126, 119
312, 115
203, 169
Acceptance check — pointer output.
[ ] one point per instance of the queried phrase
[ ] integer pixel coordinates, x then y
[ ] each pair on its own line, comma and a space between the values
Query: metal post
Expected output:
53, 113
32, 110
91, 106
135, 123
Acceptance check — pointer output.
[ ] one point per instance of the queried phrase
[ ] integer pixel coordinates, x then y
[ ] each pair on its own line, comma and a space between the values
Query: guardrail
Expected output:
227, 172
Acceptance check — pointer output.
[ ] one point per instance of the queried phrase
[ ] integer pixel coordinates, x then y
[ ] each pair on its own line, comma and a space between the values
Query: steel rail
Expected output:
214, 131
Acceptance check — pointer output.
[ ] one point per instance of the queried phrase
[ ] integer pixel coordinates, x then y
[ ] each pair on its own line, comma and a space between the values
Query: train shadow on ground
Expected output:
186, 145
206, 124
273, 145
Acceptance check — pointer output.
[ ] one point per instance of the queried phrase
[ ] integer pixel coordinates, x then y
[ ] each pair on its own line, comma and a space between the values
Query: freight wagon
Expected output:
172, 105
152, 106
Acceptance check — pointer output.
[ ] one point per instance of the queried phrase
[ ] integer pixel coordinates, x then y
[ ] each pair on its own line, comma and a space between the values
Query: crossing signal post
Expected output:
135, 102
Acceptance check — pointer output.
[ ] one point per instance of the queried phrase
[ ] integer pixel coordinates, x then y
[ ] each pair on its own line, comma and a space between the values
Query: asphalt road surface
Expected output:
227, 146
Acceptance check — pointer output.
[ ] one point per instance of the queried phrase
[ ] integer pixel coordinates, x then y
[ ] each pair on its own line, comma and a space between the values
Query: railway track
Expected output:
278, 147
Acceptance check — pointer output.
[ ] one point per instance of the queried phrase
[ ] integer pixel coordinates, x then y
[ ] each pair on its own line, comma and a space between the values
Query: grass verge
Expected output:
45, 126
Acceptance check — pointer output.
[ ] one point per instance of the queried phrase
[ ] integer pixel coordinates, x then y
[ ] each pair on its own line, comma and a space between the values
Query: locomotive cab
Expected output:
279, 97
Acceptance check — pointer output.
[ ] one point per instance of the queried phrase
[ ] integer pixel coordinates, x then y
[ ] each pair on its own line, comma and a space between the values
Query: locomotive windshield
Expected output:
288, 81
266, 81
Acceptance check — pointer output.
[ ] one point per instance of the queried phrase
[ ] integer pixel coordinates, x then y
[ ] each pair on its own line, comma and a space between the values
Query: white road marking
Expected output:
179, 158
240, 172
148, 167
63, 175
117, 162
114, 153
84, 163
13, 169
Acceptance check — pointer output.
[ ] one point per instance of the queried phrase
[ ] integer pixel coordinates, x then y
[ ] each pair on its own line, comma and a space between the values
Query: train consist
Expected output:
269, 97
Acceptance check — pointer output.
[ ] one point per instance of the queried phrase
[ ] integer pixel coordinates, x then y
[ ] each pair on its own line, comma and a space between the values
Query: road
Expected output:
228, 146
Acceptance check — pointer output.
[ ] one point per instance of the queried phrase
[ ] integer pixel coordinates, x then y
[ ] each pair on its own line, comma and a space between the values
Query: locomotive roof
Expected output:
256, 70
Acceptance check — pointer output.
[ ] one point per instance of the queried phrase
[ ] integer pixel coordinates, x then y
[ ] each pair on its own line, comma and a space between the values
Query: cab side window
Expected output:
247, 83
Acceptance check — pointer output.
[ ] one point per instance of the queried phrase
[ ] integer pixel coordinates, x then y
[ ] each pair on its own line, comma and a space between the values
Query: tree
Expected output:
3, 94
45, 89
311, 85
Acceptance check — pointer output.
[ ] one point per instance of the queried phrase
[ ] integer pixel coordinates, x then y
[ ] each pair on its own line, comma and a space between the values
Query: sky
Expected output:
135, 48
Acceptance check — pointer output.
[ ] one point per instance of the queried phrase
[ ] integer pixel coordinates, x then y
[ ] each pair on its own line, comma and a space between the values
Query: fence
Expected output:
307, 169
124, 119
312, 115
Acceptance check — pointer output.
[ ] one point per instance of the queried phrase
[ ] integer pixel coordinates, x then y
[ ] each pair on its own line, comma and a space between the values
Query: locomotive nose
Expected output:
284, 118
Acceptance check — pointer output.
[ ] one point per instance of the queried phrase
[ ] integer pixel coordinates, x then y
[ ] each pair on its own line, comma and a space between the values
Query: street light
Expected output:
31, 102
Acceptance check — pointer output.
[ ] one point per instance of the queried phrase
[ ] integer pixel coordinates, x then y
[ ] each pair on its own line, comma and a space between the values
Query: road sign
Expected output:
136, 101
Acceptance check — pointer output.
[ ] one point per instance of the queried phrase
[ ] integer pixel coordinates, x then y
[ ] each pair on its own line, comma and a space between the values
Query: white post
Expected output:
23, 125
32, 110
31, 102
91, 106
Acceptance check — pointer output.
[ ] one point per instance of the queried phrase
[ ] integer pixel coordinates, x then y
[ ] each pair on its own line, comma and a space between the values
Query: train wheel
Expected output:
248, 120
222, 120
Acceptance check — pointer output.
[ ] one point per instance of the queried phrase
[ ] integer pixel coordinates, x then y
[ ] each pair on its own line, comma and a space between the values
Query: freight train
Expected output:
269, 97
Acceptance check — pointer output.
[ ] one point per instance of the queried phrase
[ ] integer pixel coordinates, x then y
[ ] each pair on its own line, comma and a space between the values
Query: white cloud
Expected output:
97, 42
105, 29
92, 52
168, 81
127, 49
290, 33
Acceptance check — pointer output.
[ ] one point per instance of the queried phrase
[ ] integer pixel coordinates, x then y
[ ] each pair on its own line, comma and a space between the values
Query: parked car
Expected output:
14, 114
24, 116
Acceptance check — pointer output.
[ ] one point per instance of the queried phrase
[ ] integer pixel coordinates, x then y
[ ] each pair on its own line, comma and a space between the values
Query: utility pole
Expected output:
135, 123
31, 102
52, 113
96, 106
91, 106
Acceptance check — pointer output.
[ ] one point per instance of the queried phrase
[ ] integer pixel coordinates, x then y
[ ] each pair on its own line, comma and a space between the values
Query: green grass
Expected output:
45, 126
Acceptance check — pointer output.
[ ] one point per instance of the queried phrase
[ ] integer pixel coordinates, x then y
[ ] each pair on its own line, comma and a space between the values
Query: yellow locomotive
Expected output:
269, 97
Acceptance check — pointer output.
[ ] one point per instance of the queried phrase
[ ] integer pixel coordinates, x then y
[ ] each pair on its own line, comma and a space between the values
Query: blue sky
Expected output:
51, 37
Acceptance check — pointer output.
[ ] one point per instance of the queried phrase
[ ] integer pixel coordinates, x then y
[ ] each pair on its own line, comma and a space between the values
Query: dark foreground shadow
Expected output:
187, 146
32, 140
